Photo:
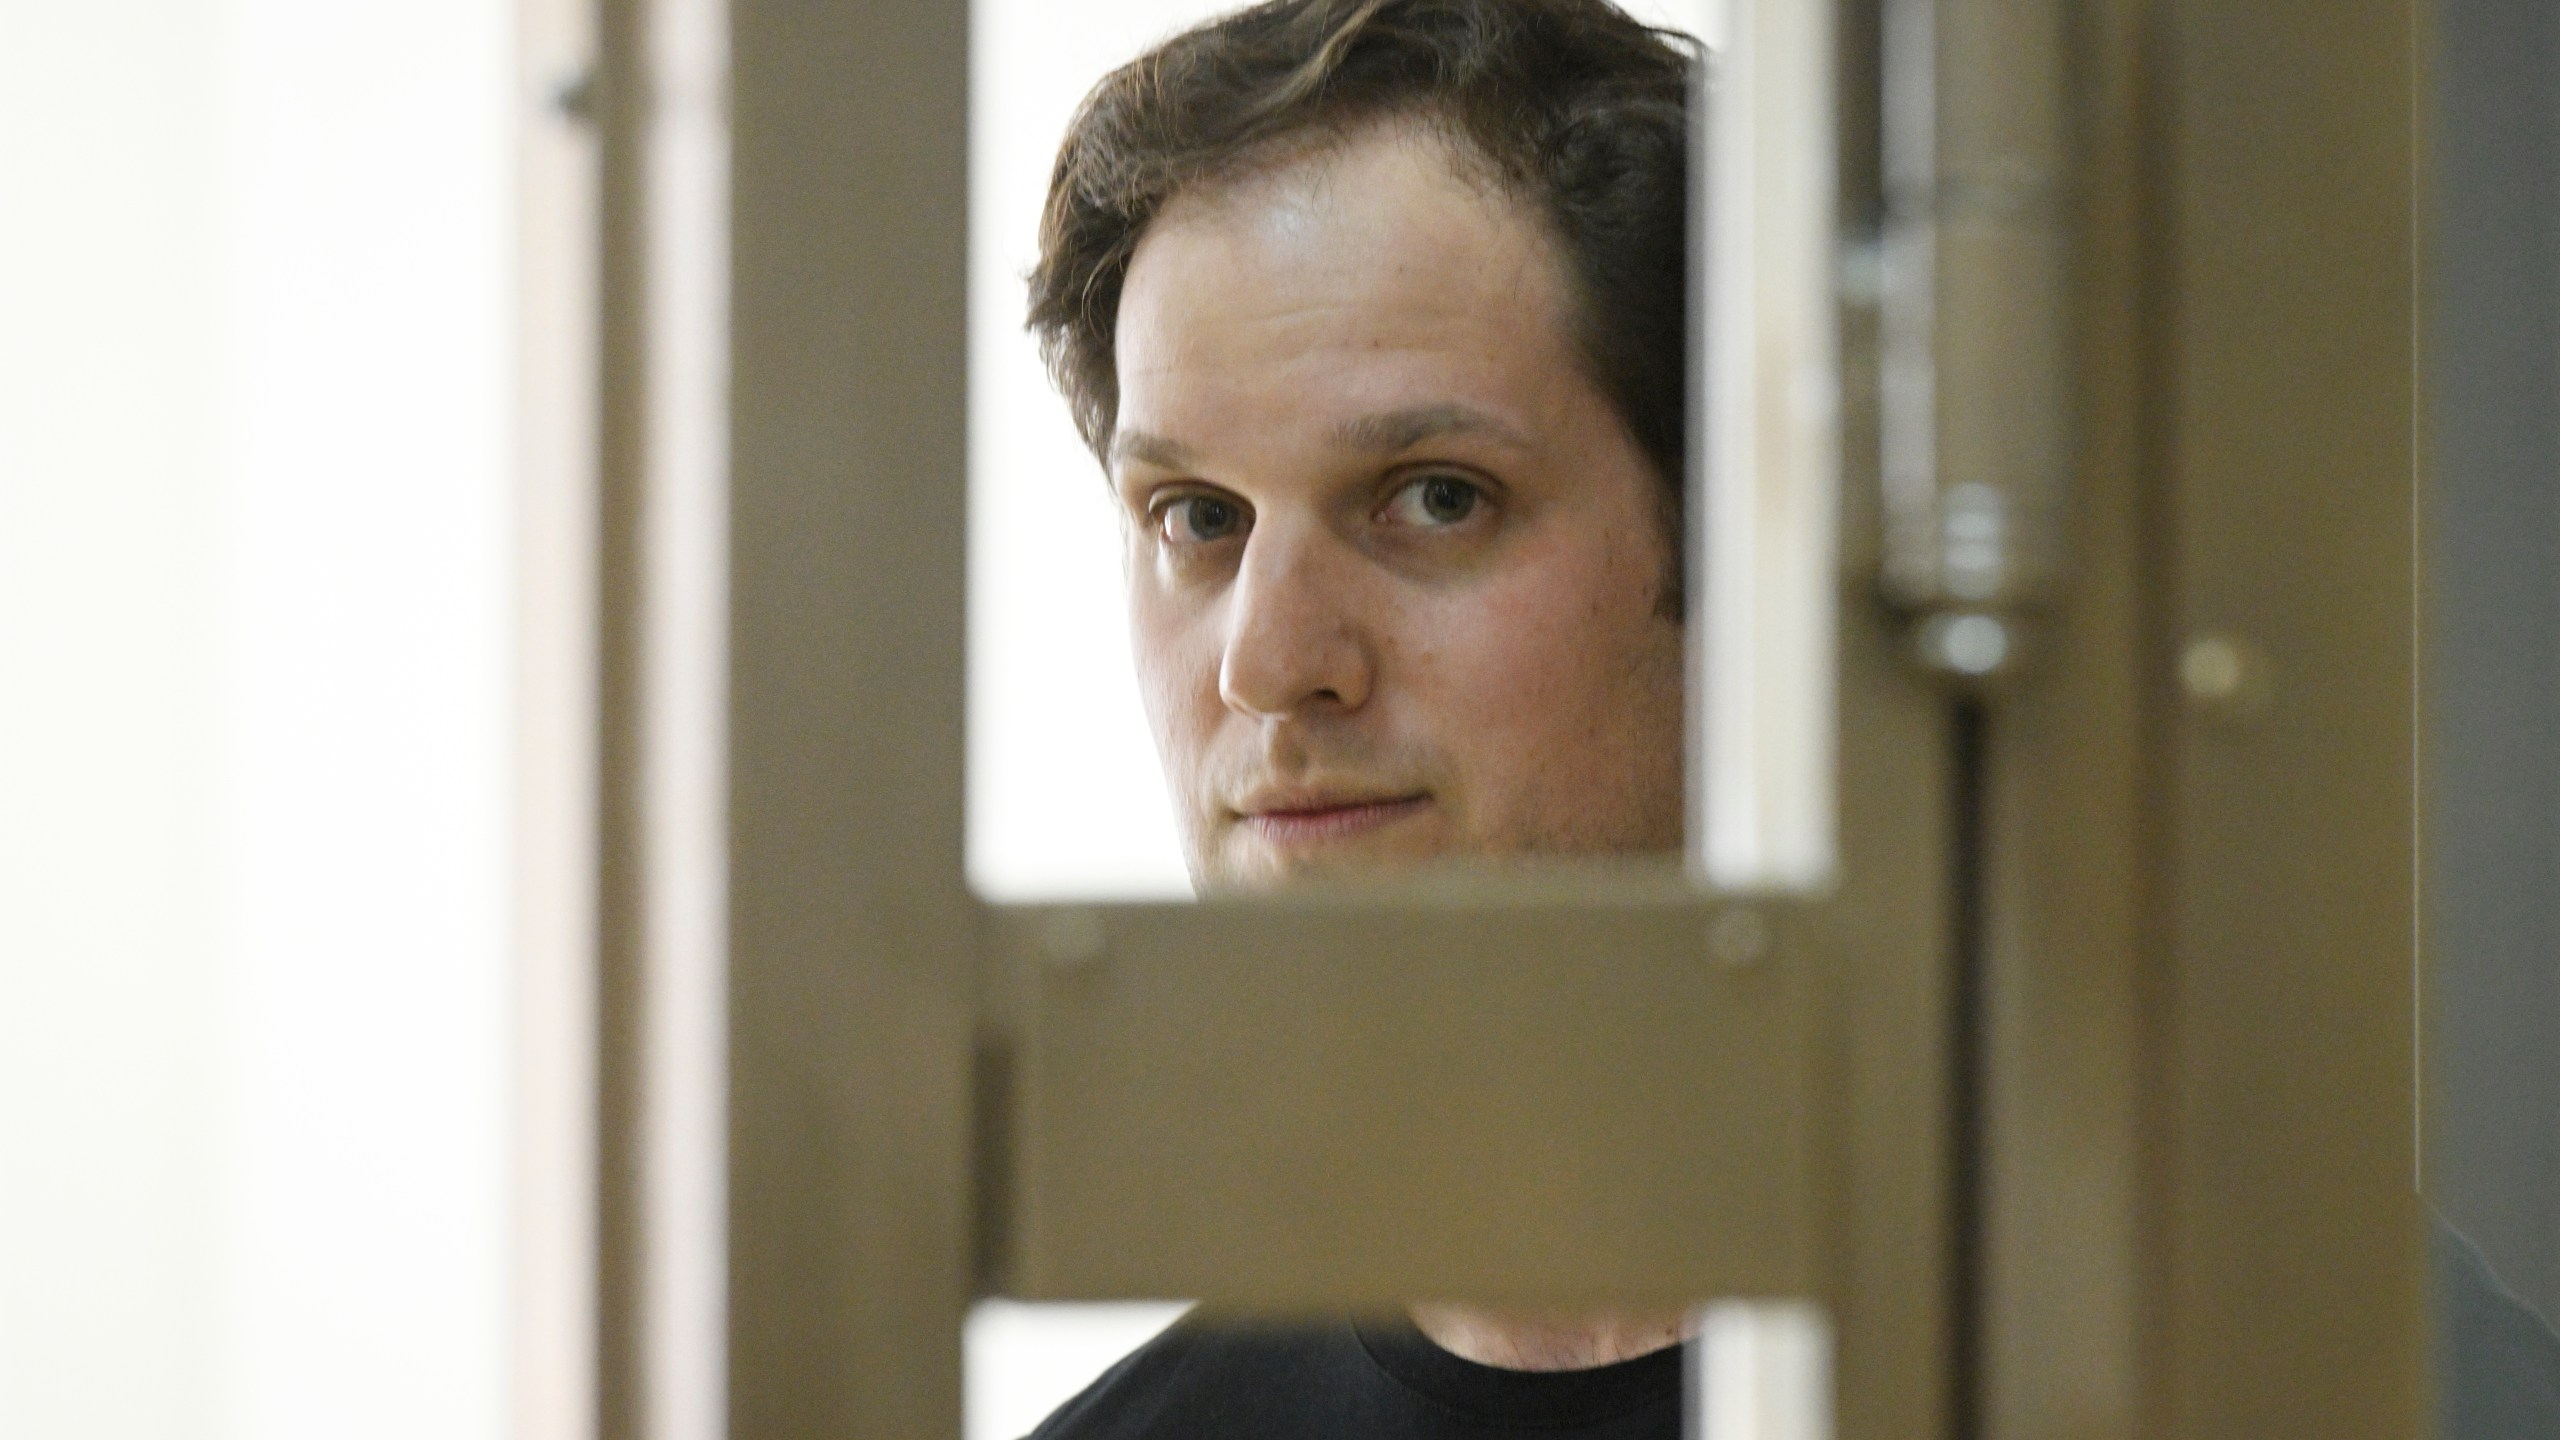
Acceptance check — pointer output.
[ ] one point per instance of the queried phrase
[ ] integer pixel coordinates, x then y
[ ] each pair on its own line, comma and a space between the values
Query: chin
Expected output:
1246, 864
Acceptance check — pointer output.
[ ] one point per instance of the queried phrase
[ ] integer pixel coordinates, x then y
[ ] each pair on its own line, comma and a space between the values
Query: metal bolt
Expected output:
2223, 675
1738, 937
573, 95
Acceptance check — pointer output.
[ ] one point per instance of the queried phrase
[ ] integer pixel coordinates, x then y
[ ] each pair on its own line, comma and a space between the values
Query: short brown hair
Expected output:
1572, 106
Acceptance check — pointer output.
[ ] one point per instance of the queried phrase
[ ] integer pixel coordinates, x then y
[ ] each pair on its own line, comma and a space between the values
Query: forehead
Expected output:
1374, 274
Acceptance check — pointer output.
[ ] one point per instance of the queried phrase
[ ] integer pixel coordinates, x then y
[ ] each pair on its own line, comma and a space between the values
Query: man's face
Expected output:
1395, 566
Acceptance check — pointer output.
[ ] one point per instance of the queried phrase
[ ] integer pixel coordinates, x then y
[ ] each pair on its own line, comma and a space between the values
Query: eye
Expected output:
1200, 519
1434, 501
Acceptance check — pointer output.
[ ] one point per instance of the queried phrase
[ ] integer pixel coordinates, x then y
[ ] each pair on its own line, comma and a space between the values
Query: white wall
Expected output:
254, 379
1064, 795
1024, 1360
110, 702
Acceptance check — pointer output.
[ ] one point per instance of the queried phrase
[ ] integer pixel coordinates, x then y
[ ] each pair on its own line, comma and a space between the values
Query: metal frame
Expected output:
2201, 1215
557, 601
2288, 897
2194, 941
851, 935
1295, 1105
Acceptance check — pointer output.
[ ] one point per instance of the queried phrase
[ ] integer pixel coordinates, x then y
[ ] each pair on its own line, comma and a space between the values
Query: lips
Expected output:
1308, 818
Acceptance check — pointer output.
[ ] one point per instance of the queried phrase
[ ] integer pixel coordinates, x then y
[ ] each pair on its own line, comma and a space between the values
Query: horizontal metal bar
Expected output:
1329, 1102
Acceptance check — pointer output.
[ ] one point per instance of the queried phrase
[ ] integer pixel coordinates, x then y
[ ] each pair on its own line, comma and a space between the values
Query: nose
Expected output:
1295, 644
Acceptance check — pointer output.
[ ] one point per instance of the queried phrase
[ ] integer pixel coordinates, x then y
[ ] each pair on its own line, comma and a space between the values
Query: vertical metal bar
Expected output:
2291, 1292
1968, 1090
661, 98
1892, 914
851, 934
618, 98
2200, 1217
1973, 272
555, 1074
684, 740
1764, 807
2071, 834
1907, 322
1761, 1371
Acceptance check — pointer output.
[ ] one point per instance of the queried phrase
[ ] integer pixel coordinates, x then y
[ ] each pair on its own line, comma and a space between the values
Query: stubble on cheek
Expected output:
1550, 734
1177, 657
1579, 712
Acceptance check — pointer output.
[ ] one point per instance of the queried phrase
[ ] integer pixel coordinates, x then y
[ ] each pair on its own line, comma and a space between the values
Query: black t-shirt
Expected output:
2498, 1379
1363, 1380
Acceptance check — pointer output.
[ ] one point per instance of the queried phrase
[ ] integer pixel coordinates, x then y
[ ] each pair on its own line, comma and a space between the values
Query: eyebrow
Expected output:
1387, 432
1149, 449
1390, 431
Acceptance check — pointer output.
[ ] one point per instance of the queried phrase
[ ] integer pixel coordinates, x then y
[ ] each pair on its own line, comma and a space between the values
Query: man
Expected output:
1374, 312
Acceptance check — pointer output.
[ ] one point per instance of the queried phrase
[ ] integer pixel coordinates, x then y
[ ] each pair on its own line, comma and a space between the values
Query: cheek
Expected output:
1176, 652
1555, 682
1555, 638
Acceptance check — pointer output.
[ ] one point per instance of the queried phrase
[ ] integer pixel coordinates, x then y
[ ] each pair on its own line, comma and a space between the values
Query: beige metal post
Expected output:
851, 936
2202, 1218
2281, 1108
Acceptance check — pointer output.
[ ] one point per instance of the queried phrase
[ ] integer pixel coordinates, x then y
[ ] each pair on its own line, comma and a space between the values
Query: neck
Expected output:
1550, 1340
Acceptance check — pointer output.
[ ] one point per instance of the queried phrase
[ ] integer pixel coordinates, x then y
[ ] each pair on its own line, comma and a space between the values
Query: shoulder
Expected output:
1207, 1376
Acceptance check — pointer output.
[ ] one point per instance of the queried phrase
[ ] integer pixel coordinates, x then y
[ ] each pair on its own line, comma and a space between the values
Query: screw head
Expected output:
573, 95
2223, 675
